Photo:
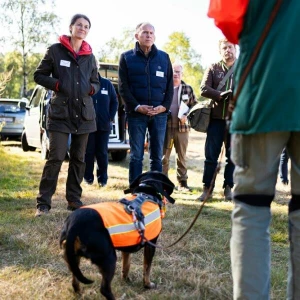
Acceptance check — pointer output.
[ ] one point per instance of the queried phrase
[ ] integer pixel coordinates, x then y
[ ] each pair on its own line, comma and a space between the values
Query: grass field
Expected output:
198, 267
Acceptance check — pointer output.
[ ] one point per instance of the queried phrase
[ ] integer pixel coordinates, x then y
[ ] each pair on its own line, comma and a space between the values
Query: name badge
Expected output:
105, 92
65, 63
185, 97
159, 73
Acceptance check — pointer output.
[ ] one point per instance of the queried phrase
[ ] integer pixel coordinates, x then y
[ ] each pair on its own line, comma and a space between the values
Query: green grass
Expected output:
198, 267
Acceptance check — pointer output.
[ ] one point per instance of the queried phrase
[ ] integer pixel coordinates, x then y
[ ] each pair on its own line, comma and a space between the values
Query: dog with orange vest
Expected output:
96, 231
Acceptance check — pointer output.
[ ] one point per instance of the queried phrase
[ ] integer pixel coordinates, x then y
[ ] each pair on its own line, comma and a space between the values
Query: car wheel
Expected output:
45, 146
118, 155
24, 143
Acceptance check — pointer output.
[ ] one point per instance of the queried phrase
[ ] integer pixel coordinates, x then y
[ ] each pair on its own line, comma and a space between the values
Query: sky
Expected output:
110, 18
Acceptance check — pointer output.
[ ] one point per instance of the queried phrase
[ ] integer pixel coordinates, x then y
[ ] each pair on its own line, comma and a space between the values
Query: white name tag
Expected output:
159, 73
185, 97
104, 92
65, 63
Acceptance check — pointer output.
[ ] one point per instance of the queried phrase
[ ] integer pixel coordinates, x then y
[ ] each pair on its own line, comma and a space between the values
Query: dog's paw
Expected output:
150, 285
126, 279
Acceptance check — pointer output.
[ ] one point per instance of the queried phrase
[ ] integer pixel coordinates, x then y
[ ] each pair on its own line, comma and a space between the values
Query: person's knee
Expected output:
255, 200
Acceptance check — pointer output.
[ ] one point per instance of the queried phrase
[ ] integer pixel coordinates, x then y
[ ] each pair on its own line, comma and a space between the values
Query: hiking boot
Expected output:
41, 210
73, 205
205, 194
227, 193
183, 187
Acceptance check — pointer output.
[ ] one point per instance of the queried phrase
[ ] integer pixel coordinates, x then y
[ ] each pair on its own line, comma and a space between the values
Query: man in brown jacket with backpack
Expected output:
216, 80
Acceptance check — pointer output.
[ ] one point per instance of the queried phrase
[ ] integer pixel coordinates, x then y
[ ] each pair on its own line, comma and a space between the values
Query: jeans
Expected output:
97, 147
137, 127
283, 166
213, 145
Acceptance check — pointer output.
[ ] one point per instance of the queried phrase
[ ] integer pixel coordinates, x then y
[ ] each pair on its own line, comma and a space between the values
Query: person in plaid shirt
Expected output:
177, 132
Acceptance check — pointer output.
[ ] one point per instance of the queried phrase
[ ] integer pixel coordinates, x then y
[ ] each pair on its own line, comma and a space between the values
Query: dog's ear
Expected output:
167, 186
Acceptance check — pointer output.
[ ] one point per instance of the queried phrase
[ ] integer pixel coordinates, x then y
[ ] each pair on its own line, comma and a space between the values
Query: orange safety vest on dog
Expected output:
120, 224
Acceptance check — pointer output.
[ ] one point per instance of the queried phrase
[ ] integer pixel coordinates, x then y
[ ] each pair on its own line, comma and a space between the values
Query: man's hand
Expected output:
183, 119
156, 110
144, 109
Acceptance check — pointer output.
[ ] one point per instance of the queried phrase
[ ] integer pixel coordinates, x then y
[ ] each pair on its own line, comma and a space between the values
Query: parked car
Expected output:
35, 135
12, 113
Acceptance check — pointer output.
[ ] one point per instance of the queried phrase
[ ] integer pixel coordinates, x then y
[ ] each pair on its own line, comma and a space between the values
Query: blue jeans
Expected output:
283, 166
97, 147
213, 145
137, 127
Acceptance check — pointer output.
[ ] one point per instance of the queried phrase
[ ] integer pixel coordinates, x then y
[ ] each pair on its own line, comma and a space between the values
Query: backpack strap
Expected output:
223, 81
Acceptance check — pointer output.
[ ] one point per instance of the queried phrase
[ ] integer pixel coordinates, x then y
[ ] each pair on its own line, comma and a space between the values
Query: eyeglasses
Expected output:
177, 72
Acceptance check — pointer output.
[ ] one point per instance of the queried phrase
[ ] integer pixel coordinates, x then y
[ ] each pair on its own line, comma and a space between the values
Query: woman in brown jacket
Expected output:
69, 69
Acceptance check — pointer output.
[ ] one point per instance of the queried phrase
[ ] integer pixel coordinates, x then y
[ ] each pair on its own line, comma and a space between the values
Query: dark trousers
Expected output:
58, 149
213, 144
97, 147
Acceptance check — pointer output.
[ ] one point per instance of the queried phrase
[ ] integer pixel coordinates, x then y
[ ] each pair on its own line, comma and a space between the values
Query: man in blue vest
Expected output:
146, 87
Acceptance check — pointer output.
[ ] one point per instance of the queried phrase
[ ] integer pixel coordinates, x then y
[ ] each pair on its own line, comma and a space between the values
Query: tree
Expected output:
13, 60
179, 49
112, 50
5, 77
28, 26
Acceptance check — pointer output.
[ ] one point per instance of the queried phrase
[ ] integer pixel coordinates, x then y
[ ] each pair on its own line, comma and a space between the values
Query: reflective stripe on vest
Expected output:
120, 224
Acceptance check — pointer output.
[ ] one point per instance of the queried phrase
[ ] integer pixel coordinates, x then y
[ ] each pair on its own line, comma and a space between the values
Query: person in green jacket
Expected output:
264, 121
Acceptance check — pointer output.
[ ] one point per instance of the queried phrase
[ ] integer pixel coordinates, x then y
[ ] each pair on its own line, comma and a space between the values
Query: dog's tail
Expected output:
71, 247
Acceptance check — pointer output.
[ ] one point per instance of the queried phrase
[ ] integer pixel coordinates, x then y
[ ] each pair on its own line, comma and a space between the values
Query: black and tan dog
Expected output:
96, 231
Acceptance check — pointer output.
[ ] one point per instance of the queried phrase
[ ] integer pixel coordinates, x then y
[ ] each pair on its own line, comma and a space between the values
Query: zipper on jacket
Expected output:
148, 77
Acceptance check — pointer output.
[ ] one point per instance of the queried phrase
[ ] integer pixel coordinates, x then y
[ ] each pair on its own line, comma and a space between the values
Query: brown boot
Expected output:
227, 193
205, 194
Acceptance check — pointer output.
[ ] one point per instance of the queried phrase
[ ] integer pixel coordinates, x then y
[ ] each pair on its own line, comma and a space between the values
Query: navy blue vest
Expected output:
147, 76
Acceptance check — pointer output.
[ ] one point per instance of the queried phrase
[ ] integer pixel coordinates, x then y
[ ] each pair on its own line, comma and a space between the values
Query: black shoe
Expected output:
41, 210
205, 194
285, 181
87, 182
102, 184
73, 205
227, 193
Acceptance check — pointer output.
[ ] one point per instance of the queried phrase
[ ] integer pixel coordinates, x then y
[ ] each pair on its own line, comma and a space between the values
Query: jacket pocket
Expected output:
88, 110
58, 109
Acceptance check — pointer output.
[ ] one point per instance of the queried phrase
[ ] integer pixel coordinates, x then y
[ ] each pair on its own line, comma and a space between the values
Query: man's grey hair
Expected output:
141, 25
177, 64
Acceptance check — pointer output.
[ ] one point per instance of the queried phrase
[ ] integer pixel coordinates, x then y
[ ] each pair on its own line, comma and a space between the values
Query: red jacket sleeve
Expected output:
229, 16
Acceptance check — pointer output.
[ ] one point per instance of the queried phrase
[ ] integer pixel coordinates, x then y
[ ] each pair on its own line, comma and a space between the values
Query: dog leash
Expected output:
232, 104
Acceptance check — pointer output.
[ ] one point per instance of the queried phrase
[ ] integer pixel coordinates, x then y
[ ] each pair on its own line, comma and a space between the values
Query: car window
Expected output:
35, 101
10, 107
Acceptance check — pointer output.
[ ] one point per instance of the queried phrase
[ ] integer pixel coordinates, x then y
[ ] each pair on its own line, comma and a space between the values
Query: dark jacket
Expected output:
73, 78
106, 104
211, 79
145, 80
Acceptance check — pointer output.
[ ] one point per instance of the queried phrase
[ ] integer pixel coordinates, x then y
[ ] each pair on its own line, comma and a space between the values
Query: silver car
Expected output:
12, 114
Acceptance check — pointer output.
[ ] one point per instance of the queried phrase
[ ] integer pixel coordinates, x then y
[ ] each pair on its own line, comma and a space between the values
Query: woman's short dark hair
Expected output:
78, 16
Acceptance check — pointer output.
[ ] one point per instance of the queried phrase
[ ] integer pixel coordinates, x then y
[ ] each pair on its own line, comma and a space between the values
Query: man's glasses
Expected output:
177, 72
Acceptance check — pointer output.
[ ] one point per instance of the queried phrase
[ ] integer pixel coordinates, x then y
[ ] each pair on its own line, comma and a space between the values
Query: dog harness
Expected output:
124, 225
